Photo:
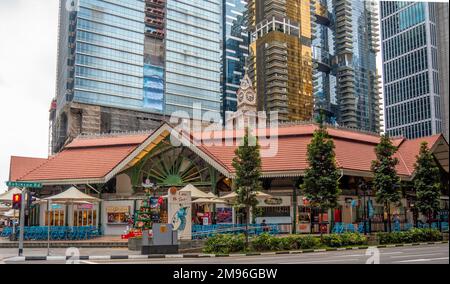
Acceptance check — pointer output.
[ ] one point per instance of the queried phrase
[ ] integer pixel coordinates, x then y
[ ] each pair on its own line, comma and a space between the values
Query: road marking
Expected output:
174, 256
99, 257
87, 262
138, 256
421, 260
413, 255
56, 258
321, 261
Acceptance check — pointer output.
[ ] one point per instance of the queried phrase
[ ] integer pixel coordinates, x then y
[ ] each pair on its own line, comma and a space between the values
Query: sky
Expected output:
28, 48
28, 44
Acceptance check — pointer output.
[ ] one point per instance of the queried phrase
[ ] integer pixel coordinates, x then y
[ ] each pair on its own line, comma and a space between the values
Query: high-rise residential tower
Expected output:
125, 65
345, 46
235, 50
411, 55
316, 56
280, 62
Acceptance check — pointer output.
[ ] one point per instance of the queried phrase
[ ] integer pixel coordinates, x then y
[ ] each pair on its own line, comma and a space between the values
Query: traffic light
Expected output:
17, 201
30, 198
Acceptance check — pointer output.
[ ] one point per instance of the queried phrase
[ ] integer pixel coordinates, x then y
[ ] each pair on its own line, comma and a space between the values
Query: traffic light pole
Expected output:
22, 220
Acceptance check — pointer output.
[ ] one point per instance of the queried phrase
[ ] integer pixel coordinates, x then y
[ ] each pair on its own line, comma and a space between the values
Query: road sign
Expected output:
23, 184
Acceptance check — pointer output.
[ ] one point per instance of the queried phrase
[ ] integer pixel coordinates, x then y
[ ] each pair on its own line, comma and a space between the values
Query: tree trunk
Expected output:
320, 223
389, 218
247, 209
429, 223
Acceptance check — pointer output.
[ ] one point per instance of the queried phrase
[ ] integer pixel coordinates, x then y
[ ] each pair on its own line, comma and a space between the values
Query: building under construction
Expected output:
110, 73
280, 61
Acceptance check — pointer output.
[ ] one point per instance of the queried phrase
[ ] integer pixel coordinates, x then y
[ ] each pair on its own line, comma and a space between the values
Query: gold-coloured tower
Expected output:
280, 61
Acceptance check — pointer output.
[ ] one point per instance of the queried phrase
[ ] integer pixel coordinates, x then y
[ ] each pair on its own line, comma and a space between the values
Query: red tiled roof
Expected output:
19, 166
87, 158
94, 158
409, 149
354, 151
107, 140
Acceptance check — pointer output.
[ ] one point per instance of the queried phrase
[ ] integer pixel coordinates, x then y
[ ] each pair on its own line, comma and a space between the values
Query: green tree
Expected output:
427, 182
386, 180
321, 181
247, 163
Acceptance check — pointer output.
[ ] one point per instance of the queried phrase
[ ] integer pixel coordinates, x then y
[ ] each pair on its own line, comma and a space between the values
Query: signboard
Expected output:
23, 184
85, 206
119, 209
273, 201
180, 212
56, 207
224, 215
206, 218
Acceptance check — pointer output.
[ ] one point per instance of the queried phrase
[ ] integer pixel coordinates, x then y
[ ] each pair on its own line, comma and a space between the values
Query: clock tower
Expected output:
247, 110
246, 96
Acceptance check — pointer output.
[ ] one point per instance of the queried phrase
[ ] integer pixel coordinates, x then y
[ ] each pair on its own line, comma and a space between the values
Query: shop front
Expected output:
117, 216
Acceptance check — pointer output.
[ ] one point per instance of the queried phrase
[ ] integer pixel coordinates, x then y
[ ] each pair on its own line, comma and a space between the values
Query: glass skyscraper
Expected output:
410, 69
346, 81
105, 60
193, 55
235, 50
125, 65
280, 61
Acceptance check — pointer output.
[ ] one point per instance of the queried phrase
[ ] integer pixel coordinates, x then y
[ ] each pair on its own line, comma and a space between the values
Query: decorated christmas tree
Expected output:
150, 210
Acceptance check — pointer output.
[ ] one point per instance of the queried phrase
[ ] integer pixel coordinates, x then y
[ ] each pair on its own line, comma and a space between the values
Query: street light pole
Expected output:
22, 220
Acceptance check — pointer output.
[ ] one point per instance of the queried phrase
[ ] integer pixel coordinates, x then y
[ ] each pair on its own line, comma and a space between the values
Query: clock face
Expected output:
250, 97
241, 96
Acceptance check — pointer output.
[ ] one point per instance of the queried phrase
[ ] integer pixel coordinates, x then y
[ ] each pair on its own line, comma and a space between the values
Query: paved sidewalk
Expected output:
104, 241
111, 254
6, 253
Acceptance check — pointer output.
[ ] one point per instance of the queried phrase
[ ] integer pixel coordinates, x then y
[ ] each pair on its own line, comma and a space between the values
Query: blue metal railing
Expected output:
56, 232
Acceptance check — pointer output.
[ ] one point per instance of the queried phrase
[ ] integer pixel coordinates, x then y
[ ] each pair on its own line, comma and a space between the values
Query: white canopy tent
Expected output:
208, 201
212, 195
233, 195
195, 192
8, 196
72, 195
10, 214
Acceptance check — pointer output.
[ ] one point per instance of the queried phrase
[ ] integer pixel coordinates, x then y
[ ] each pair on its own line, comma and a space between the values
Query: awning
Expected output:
72, 195
195, 192
258, 194
208, 201
8, 196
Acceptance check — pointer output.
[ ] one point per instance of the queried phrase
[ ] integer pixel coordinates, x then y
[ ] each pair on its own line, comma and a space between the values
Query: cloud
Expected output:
28, 29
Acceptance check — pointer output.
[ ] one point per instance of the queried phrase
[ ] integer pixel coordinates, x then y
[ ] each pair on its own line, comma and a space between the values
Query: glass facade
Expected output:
106, 45
346, 87
410, 69
325, 100
193, 53
235, 50
280, 61
153, 56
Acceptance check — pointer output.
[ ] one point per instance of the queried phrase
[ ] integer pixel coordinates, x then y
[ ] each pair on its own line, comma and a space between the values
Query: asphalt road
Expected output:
427, 254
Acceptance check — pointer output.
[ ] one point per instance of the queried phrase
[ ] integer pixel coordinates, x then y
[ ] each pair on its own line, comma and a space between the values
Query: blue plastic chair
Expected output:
350, 228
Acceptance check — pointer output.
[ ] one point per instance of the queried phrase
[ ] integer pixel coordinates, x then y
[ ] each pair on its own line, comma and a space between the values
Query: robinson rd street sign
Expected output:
23, 184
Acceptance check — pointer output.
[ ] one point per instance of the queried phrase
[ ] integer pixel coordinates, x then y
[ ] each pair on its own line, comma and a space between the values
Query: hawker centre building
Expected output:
113, 168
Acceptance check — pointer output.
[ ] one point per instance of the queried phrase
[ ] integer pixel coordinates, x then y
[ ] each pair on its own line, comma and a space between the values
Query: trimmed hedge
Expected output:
265, 242
345, 239
411, 236
227, 243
